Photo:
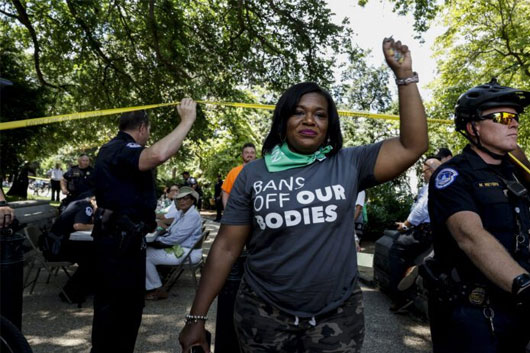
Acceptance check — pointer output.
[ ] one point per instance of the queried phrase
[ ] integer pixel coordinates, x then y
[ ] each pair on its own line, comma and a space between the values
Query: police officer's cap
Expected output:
489, 95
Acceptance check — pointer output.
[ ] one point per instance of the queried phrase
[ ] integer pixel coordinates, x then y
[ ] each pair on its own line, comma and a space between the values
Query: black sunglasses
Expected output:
503, 118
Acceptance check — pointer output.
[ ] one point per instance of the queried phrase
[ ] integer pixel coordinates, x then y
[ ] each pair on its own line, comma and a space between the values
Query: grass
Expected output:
30, 197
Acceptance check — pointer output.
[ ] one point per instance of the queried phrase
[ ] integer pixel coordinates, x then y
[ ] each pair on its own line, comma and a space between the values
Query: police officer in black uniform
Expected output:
78, 181
56, 246
479, 299
125, 191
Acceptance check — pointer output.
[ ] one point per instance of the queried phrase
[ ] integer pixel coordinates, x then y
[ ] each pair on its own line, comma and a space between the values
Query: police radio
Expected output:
516, 188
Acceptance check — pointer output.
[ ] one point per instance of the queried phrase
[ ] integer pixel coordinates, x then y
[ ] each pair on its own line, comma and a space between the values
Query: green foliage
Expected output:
489, 39
387, 203
22, 99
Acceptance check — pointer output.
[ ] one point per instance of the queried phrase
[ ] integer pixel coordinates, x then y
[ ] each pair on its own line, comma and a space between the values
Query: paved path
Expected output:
52, 326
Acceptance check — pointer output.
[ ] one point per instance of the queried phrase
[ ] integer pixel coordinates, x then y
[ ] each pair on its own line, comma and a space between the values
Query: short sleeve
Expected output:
361, 196
84, 215
239, 207
129, 156
364, 157
228, 184
68, 174
449, 194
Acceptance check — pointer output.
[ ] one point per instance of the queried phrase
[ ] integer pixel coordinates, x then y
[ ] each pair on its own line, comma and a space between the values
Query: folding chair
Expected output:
38, 260
177, 270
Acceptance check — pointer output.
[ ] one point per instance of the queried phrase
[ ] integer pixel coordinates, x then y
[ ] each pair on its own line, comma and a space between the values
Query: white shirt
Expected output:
420, 211
171, 211
55, 174
361, 198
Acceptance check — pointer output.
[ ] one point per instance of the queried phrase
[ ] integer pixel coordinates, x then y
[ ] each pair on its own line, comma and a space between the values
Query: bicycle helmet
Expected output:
489, 95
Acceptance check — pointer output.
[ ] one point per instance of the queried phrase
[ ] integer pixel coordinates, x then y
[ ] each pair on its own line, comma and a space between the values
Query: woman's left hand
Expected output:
397, 56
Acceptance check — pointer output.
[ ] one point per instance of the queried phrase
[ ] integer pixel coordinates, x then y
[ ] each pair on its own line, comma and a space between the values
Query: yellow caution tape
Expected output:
518, 162
37, 178
66, 117
90, 114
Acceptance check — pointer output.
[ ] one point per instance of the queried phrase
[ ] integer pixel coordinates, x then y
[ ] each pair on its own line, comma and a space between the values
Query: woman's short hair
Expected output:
286, 107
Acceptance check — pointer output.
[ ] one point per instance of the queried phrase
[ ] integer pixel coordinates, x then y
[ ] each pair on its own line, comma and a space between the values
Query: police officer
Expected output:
125, 191
479, 283
78, 216
78, 181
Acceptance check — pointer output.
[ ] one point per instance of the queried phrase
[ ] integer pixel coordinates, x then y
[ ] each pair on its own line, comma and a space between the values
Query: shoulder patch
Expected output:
133, 145
89, 211
445, 178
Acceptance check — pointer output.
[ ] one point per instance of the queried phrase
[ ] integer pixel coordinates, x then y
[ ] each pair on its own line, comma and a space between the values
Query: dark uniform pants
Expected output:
119, 298
403, 253
56, 190
263, 328
219, 207
465, 329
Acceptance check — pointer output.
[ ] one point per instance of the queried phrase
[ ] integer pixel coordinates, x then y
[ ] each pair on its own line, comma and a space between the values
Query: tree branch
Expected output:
156, 44
24, 19
9, 14
96, 46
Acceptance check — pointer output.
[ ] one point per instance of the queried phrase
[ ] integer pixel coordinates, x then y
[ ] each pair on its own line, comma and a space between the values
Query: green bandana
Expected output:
282, 158
175, 250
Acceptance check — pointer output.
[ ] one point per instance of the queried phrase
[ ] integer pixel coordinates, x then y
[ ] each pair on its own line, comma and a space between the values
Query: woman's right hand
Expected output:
193, 334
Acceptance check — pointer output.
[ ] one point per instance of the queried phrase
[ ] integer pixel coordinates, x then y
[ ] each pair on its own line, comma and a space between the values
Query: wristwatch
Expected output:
405, 81
520, 283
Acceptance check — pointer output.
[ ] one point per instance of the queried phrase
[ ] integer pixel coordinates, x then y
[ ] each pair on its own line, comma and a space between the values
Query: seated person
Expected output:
163, 202
415, 239
171, 248
56, 246
166, 215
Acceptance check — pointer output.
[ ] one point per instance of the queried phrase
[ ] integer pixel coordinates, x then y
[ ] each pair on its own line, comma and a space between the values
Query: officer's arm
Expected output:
224, 252
490, 257
398, 154
83, 226
164, 149
64, 189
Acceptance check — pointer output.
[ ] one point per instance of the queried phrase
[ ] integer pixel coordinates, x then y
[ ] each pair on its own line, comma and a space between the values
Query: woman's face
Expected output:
184, 203
307, 128
172, 192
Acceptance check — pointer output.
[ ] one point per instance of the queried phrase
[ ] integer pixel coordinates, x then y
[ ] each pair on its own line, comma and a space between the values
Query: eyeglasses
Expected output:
503, 118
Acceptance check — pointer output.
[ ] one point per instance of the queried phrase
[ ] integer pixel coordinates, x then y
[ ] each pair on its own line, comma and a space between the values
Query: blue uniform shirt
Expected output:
120, 185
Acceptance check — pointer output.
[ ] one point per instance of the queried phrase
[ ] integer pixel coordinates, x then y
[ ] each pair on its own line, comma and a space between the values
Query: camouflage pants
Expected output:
263, 328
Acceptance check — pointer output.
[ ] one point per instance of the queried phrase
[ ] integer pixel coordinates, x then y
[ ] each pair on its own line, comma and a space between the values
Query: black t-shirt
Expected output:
120, 185
467, 183
76, 212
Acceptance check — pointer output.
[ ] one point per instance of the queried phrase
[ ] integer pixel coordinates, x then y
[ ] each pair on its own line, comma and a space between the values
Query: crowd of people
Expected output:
296, 211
